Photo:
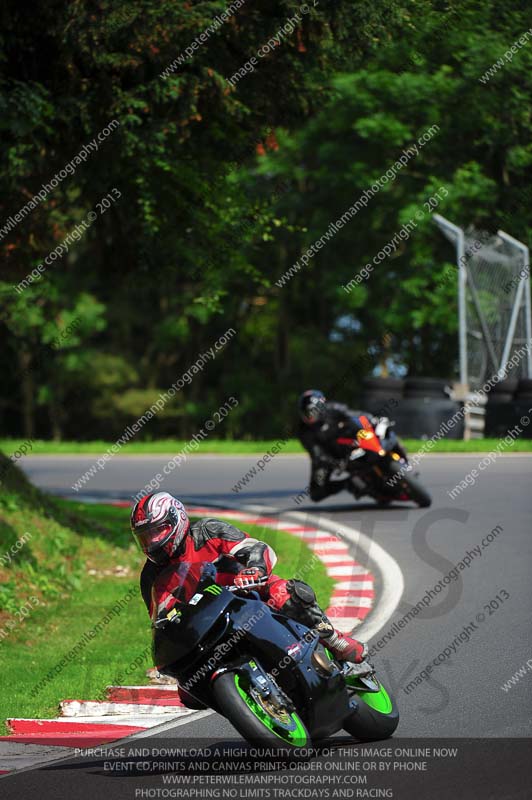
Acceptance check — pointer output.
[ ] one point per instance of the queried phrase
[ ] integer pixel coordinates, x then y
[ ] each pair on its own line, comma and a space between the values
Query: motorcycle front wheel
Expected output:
254, 718
376, 717
416, 492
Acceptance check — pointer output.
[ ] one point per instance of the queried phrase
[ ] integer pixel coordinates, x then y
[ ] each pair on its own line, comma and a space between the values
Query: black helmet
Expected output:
311, 405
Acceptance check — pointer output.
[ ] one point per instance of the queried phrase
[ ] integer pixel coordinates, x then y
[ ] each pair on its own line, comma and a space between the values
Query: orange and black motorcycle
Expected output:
378, 465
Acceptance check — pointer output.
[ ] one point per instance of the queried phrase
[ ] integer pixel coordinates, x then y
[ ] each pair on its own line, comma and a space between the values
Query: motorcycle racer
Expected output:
327, 431
160, 525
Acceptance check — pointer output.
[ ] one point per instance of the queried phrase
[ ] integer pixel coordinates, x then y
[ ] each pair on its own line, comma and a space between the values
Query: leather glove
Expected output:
249, 577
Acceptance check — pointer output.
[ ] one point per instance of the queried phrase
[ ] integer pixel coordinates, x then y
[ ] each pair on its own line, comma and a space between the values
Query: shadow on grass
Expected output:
17, 493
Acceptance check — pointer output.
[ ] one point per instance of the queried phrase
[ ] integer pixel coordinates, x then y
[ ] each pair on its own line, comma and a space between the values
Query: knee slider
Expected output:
301, 592
320, 476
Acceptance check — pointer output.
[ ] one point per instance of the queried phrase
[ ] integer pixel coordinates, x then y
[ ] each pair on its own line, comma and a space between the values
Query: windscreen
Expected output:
178, 584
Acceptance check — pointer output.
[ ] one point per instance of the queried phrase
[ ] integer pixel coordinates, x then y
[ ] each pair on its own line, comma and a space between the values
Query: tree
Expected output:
407, 89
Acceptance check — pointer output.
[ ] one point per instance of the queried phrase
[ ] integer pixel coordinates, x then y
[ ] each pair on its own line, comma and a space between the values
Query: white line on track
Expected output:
167, 726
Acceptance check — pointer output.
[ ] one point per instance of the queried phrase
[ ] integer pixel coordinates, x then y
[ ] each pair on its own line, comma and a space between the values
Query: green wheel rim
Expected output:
380, 701
293, 733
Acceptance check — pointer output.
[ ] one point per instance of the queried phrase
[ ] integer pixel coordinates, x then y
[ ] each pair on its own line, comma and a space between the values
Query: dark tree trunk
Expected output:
282, 350
28, 393
55, 413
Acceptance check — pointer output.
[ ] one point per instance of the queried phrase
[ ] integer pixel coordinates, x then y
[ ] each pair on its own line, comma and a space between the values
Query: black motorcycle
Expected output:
269, 675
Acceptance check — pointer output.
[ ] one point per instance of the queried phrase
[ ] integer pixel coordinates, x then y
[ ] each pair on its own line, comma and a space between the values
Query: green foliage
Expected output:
41, 554
478, 154
223, 187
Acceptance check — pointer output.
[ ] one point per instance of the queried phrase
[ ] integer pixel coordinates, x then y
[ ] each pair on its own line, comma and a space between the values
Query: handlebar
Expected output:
242, 589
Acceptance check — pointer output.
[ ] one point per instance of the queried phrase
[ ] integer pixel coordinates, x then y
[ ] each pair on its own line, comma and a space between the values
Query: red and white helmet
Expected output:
159, 523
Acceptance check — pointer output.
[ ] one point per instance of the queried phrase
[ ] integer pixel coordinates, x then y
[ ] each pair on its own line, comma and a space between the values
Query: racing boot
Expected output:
297, 600
343, 648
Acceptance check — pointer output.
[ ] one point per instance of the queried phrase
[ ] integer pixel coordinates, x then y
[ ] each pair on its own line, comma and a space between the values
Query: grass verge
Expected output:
77, 564
162, 446
258, 448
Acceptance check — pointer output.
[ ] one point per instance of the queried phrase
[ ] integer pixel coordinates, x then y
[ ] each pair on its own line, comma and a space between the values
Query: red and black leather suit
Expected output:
230, 550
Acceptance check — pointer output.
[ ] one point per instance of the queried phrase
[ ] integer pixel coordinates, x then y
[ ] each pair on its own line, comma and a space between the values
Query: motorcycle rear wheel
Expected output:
376, 717
254, 720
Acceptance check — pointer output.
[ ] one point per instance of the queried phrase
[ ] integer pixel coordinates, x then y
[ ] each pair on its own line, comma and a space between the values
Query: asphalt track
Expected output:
462, 697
